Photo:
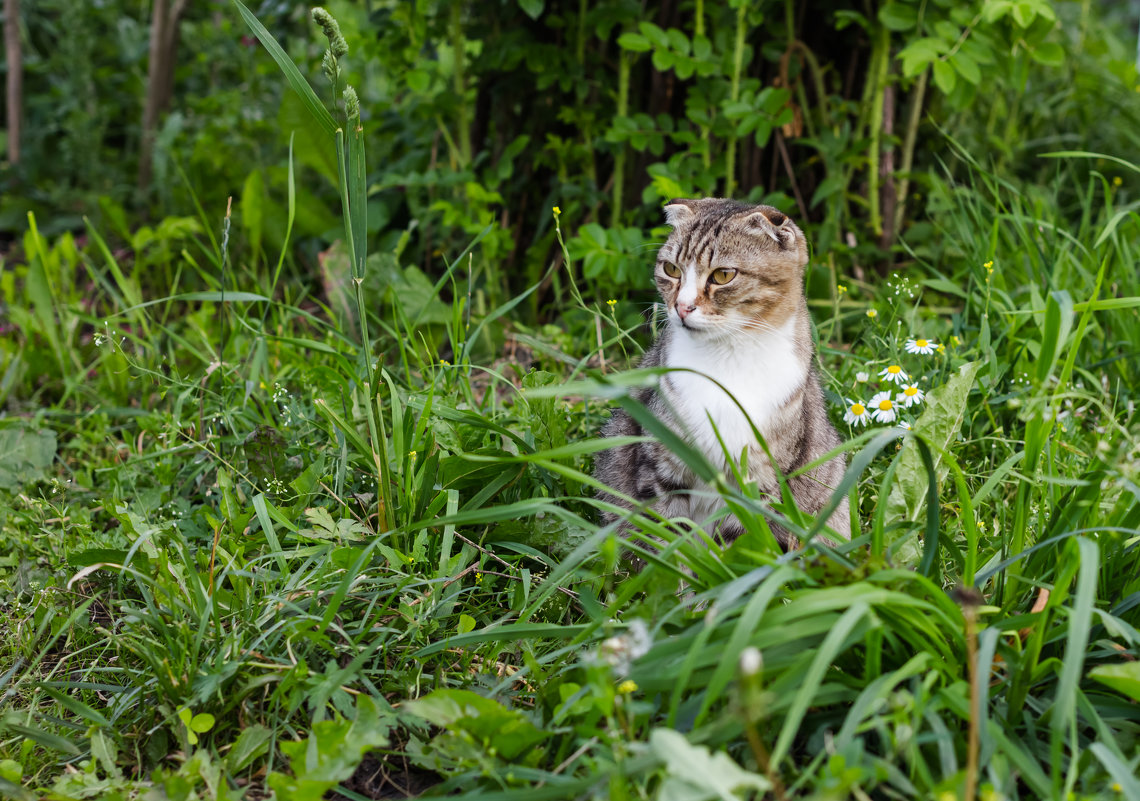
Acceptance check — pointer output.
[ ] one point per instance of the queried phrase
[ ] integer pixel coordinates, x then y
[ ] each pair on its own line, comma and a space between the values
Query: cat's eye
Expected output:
722, 276
671, 270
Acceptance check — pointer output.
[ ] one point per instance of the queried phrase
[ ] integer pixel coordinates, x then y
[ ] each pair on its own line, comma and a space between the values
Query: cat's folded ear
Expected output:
678, 210
766, 221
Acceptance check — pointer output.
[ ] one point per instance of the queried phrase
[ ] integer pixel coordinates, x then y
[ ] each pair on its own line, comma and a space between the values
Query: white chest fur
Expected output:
761, 370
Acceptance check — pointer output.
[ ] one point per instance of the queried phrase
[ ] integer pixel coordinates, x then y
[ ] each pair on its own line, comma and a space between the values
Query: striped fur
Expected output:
744, 343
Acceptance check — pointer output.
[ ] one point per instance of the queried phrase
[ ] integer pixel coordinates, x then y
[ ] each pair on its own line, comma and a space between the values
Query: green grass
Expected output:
202, 570
244, 552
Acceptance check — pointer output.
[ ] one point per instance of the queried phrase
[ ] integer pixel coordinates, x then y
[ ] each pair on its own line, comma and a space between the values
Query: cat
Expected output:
731, 276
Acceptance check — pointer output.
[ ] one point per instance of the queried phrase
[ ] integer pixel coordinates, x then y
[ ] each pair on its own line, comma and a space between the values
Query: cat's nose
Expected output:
685, 309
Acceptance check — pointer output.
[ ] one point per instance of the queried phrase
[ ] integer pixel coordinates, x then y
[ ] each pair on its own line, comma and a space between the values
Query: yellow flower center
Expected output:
858, 409
894, 369
885, 404
921, 343
910, 391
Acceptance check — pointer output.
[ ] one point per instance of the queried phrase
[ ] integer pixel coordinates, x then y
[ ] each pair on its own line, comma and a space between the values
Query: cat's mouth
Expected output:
689, 324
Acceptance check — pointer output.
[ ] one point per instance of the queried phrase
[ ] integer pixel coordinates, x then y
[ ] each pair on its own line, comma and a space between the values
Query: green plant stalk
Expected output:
705, 130
583, 7
880, 59
734, 94
619, 157
354, 209
458, 45
909, 140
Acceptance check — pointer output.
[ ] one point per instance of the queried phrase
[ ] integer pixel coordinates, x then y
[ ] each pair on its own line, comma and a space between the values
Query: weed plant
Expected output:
257, 541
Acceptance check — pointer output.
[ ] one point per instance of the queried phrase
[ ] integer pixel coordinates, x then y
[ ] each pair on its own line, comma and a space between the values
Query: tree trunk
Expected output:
15, 77
160, 78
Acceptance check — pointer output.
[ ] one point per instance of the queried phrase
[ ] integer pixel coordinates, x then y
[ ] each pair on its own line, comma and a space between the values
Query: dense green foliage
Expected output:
293, 501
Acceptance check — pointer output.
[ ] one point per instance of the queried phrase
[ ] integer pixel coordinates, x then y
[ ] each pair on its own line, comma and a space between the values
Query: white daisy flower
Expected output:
883, 408
893, 373
905, 425
910, 395
862, 377
857, 413
923, 346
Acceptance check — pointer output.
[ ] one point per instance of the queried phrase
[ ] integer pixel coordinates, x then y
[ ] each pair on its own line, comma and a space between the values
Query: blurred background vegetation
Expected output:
493, 113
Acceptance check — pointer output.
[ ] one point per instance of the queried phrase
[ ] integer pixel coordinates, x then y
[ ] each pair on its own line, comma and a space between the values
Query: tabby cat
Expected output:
731, 276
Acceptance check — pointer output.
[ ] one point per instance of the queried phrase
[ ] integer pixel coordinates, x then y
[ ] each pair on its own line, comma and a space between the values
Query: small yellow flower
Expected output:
445, 362
557, 211
611, 303
841, 288
1117, 181
628, 686
872, 313
954, 341
989, 265
412, 455
1116, 788
941, 348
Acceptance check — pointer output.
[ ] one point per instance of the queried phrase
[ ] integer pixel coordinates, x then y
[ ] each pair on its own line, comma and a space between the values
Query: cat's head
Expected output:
730, 267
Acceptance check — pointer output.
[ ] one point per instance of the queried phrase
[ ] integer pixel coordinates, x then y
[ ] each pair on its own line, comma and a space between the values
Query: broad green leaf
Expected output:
1123, 677
939, 424
1050, 54
26, 455
944, 77
487, 722
331, 753
252, 743
966, 67
635, 42
919, 54
202, 722
532, 8
899, 16
693, 773
466, 624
